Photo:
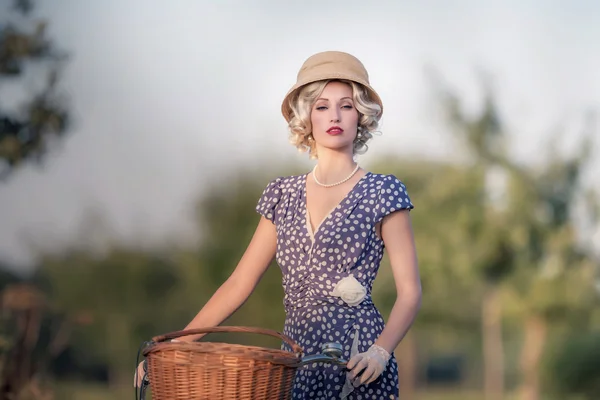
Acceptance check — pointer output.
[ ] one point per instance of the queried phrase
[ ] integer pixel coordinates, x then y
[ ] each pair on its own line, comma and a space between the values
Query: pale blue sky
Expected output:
164, 91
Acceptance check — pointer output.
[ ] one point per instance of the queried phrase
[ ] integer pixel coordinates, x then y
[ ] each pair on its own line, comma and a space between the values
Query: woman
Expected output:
327, 230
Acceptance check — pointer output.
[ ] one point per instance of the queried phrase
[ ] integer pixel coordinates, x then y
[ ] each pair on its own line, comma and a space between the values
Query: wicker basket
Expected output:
220, 371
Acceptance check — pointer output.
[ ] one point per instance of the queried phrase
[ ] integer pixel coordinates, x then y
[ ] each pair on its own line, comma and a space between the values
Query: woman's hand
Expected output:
371, 363
139, 375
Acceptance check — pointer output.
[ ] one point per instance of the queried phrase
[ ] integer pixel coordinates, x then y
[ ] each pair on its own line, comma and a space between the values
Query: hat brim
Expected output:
287, 112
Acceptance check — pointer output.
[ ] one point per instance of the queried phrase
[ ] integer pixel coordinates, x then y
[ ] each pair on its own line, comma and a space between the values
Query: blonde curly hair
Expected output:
301, 105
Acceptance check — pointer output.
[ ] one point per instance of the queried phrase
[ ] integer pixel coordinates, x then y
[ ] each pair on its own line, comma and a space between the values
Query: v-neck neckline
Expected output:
312, 233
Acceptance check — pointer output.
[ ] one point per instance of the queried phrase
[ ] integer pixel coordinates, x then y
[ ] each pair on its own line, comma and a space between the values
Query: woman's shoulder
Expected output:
277, 193
392, 192
288, 180
386, 180
286, 184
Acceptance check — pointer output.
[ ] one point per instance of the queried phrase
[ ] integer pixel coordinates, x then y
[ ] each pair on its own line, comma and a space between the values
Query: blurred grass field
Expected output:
99, 392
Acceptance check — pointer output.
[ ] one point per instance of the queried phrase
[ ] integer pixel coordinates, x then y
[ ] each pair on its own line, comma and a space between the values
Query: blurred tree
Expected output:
441, 192
554, 275
484, 225
227, 219
6, 276
134, 294
576, 367
531, 232
26, 133
125, 292
28, 343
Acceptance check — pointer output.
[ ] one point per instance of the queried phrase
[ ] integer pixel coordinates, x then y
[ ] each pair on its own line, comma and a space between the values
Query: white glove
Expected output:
372, 363
139, 375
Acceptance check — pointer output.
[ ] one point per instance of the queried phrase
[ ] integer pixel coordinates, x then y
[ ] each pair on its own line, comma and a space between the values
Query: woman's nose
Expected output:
335, 116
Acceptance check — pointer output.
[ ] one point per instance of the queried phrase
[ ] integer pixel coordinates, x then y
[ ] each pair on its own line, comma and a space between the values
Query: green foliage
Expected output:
7, 277
227, 219
575, 367
525, 244
98, 392
451, 294
549, 256
133, 295
122, 292
26, 133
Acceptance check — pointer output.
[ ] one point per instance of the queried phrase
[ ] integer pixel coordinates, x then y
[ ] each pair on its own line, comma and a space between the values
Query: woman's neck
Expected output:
333, 166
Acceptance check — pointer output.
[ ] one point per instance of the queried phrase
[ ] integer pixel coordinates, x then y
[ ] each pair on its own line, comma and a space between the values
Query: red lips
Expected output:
335, 130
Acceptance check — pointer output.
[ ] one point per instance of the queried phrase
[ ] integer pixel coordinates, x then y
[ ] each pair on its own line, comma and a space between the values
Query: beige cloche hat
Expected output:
329, 65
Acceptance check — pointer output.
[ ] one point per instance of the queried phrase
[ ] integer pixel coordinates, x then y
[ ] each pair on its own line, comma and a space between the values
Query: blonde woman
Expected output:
327, 230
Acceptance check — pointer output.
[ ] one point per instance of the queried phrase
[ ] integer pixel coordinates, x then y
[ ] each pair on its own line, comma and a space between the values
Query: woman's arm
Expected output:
397, 234
234, 292
237, 288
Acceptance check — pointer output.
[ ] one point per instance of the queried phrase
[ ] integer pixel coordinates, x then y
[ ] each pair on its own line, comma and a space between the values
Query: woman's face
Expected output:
334, 118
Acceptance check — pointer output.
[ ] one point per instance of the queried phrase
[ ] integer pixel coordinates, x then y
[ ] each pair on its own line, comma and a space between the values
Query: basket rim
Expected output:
230, 329
207, 347
219, 349
280, 356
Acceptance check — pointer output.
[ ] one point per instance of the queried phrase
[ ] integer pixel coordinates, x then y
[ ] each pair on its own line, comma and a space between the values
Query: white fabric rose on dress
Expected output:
350, 290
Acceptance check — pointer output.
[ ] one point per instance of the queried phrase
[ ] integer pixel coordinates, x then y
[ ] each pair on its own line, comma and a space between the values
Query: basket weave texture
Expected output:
220, 371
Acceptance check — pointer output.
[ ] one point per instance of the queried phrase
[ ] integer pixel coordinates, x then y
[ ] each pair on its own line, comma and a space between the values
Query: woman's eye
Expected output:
321, 108
347, 106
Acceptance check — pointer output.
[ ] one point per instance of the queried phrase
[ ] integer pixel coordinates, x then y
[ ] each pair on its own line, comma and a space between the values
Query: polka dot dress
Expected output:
312, 263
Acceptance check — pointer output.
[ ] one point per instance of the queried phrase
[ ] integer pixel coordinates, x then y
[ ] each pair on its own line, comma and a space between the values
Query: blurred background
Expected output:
137, 136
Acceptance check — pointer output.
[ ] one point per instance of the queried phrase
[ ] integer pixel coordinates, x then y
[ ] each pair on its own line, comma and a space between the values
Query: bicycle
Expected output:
223, 371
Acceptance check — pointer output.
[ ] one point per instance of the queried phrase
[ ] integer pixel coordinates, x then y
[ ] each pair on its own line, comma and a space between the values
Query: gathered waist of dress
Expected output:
312, 302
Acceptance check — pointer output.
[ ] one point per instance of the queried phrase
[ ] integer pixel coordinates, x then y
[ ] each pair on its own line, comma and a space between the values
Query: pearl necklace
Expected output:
314, 174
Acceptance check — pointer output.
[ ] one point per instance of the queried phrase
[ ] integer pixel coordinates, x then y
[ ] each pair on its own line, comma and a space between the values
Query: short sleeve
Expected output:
392, 197
269, 199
